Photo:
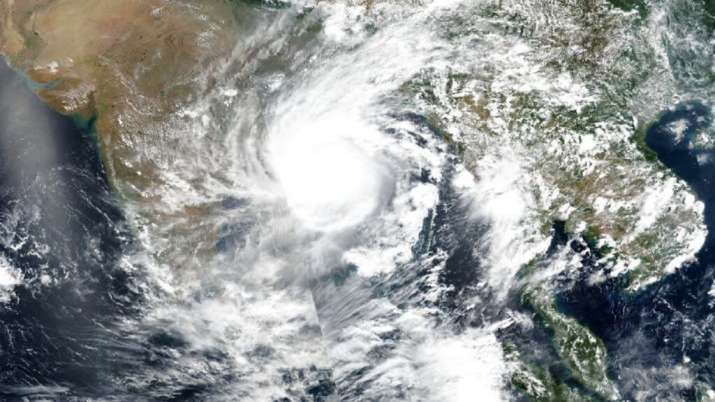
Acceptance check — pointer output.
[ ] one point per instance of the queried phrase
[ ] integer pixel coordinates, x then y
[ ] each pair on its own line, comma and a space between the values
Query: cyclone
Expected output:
330, 183
438, 200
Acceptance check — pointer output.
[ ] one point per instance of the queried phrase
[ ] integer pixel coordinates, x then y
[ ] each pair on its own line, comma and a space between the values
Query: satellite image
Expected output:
357, 200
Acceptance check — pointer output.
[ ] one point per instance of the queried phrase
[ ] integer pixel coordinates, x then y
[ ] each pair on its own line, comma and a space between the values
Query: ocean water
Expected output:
61, 233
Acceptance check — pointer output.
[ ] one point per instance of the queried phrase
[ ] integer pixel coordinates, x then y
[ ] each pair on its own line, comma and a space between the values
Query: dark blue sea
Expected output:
61, 226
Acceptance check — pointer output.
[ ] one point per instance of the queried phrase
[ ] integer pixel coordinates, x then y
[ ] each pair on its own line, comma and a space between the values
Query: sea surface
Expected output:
61, 233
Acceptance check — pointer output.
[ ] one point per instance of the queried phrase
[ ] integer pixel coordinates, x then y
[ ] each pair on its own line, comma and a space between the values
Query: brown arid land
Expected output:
126, 63
127, 67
